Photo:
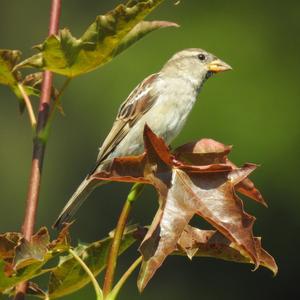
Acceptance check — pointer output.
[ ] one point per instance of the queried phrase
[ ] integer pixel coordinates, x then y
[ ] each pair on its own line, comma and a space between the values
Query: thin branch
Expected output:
115, 291
28, 106
115, 246
57, 102
39, 146
55, 105
97, 288
58, 97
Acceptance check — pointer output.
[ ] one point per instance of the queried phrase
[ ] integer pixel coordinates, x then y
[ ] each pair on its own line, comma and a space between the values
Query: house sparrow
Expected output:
163, 100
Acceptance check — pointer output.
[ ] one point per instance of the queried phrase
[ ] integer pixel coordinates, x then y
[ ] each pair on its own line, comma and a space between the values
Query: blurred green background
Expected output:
255, 108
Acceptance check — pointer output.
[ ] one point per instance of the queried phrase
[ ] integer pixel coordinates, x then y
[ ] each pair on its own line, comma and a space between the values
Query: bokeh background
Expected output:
255, 108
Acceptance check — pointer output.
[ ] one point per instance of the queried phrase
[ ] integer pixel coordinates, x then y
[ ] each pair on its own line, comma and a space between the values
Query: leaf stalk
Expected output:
28, 105
98, 291
115, 291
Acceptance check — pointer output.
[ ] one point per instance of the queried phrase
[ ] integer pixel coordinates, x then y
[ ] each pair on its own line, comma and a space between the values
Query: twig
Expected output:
97, 288
39, 146
28, 105
115, 291
45, 133
57, 99
115, 246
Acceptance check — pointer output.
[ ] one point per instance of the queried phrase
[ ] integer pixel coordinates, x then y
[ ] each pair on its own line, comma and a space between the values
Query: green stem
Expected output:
28, 105
115, 291
97, 288
115, 246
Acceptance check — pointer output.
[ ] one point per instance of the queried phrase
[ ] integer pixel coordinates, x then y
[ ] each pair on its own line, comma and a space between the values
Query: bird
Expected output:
163, 101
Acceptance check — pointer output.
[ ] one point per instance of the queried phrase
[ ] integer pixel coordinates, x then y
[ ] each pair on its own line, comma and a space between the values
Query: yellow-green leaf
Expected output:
8, 59
106, 37
68, 276
11, 77
139, 31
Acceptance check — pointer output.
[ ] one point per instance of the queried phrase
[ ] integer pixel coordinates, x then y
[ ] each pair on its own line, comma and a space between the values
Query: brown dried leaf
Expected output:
203, 152
8, 242
63, 240
197, 179
208, 151
211, 195
22, 260
29, 252
210, 243
33, 85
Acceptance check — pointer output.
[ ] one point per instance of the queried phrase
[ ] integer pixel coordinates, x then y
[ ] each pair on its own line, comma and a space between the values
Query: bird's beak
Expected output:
218, 65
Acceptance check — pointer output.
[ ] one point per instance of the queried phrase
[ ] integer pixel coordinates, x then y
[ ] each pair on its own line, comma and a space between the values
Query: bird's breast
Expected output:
171, 110
165, 118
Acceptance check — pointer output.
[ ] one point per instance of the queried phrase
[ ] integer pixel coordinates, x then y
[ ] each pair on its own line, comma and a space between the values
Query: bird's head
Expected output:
195, 65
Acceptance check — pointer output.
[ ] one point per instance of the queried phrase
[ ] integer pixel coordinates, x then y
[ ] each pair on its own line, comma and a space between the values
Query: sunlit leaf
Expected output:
139, 31
107, 36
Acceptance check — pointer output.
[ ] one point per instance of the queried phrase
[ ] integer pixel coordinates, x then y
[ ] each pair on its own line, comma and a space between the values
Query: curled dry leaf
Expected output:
26, 253
208, 151
197, 179
21, 260
33, 84
106, 37
195, 242
8, 242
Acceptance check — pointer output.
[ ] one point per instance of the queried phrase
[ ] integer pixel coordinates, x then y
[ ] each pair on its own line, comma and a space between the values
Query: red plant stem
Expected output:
39, 145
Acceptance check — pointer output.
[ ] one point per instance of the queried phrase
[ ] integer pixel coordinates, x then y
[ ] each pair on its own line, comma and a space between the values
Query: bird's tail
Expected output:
82, 192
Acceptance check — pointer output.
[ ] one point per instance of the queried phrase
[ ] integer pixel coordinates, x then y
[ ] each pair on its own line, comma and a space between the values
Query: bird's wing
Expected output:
140, 100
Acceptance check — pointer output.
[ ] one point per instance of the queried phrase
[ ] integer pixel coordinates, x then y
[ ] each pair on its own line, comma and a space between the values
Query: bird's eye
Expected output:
201, 56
